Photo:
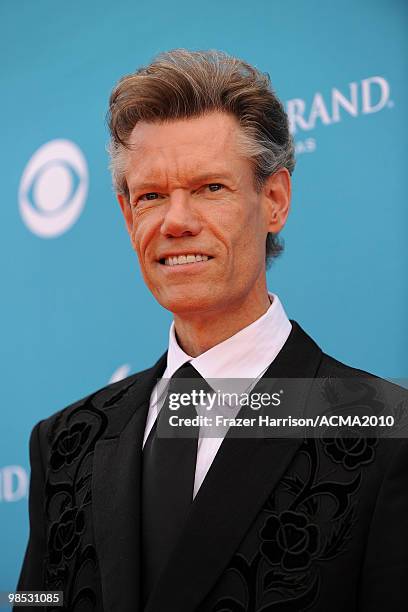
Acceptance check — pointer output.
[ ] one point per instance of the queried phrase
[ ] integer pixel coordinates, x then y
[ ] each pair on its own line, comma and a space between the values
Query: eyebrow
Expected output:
200, 178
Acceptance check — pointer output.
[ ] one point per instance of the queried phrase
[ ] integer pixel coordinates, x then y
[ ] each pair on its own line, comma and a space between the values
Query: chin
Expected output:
183, 303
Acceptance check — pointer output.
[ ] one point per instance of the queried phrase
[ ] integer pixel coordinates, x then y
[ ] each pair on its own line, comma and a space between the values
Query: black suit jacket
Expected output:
277, 525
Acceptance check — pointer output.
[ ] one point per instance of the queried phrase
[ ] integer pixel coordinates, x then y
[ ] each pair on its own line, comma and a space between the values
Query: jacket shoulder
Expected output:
97, 403
329, 366
388, 391
375, 395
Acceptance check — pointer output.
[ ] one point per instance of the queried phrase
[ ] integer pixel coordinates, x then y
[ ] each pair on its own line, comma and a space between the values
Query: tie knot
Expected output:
187, 379
184, 395
187, 370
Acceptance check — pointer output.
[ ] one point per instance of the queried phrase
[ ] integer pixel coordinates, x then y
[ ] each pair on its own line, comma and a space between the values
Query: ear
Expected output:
126, 211
277, 192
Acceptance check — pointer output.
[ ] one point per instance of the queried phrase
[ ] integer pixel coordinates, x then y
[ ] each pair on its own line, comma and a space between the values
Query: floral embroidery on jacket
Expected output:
284, 572
70, 547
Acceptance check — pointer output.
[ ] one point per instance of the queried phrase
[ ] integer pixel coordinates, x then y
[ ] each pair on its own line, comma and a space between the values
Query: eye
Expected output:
152, 195
215, 186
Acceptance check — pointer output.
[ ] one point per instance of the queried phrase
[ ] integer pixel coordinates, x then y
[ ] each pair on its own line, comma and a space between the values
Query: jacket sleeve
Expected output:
31, 575
384, 583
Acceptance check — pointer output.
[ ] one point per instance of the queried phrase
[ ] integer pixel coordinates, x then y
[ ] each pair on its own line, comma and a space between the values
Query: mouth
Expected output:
181, 260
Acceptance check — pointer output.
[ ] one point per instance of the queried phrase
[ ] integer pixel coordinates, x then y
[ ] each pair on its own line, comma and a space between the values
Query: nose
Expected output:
180, 219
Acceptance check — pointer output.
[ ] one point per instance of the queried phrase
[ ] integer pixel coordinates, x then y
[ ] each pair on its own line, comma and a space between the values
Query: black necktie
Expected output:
167, 479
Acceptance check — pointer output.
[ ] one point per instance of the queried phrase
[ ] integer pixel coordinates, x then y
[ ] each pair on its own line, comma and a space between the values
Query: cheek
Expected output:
247, 230
143, 232
247, 243
135, 240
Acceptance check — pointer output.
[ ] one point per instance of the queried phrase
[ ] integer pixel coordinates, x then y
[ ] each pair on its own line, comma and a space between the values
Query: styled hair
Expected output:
181, 84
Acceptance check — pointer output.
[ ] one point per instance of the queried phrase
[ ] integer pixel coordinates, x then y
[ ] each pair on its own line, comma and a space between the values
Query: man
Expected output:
124, 519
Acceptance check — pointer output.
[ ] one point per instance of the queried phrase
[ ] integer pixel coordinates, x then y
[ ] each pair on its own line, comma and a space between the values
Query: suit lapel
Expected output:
116, 489
242, 476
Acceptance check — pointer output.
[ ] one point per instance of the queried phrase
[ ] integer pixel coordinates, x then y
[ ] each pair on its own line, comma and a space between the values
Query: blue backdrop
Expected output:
76, 313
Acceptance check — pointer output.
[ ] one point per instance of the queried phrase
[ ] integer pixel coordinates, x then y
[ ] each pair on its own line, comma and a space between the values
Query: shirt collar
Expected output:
246, 354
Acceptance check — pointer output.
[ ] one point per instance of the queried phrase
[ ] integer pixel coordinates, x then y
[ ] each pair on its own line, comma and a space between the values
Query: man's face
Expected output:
191, 193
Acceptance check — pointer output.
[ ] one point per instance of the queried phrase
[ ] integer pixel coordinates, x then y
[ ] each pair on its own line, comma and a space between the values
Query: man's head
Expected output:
201, 156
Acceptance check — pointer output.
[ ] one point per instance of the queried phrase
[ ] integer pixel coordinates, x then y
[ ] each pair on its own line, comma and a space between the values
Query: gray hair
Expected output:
180, 84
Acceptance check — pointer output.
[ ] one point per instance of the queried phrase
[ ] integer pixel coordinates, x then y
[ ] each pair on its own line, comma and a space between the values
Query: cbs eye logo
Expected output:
53, 188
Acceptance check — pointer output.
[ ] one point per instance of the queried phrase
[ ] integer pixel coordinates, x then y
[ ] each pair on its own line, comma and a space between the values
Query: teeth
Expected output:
182, 259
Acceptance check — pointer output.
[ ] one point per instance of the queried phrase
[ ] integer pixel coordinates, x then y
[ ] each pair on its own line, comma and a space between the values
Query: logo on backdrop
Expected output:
53, 188
120, 373
363, 97
13, 483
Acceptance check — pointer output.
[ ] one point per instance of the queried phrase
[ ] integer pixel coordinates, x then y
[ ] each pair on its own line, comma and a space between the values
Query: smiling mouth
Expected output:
176, 260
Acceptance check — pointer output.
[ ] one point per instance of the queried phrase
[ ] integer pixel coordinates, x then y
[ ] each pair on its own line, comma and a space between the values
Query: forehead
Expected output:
183, 146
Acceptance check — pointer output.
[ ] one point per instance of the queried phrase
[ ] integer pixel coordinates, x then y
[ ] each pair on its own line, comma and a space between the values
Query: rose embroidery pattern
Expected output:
290, 540
291, 544
351, 452
69, 445
64, 536
70, 547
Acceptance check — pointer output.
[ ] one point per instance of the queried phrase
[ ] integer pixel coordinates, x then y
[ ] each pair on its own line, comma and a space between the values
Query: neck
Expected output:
200, 332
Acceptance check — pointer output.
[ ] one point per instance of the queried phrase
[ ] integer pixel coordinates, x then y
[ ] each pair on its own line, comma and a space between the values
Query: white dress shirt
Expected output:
246, 355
